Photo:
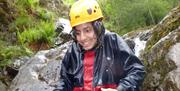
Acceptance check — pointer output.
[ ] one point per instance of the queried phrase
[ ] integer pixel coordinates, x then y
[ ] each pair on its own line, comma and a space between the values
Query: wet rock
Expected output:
63, 31
158, 57
137, 40
158, 47
17, 63
3, 87
131, 44
171, 81
41, 72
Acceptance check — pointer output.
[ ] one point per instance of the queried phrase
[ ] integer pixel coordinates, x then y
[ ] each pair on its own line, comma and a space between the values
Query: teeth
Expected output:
85, 43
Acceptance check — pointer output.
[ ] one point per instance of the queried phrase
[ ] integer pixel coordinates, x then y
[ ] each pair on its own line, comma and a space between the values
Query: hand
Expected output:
108, 89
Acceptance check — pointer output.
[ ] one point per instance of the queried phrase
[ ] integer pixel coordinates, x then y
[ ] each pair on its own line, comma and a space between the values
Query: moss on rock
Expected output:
168, 24
157, 65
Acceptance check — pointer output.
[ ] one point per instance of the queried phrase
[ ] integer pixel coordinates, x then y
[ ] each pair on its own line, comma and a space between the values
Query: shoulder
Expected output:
71, 55
113, 36
73, 48
117, 42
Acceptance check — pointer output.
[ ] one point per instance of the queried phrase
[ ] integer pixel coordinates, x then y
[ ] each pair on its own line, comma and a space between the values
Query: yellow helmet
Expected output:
84, 11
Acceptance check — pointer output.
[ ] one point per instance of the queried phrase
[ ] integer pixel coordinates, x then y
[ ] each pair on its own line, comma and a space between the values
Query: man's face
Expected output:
86, 36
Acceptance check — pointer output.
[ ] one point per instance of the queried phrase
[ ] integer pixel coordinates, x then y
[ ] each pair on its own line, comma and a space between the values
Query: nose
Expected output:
82, 36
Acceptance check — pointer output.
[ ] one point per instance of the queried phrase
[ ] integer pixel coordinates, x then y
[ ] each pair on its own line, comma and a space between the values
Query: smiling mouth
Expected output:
85, 45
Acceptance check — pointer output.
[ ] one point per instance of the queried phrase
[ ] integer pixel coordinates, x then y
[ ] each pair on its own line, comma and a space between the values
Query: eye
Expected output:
87, 30
77, 33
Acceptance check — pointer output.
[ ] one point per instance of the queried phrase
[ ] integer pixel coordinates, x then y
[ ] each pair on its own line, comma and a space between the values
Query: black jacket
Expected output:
114, 63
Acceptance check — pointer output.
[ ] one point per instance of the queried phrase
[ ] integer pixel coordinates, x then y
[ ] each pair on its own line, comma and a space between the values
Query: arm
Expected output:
133, 69
134, 75
65, 83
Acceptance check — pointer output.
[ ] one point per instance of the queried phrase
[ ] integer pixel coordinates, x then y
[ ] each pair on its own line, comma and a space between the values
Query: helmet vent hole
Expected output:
89, 11
94, 11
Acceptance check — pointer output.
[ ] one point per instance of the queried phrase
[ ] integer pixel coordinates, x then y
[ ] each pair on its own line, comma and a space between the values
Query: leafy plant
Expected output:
31, 23
122, 16
21, 22
44, 14
42, 32
11, 52
27, 3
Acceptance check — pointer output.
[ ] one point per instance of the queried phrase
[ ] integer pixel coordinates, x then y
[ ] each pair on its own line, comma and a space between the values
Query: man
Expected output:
97, 61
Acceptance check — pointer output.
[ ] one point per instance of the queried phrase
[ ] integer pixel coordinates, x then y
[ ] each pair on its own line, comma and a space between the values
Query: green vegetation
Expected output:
69, 2
8, 53
31, 23
44, 32
122, 16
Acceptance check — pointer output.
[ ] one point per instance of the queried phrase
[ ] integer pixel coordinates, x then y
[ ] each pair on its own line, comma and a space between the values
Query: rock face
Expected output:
171, 81
159, 56
41, 72
63, 30
56, 6
159, 49
3, 87
7, 15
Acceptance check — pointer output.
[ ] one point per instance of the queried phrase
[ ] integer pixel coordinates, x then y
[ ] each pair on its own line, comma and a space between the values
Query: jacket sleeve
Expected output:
133, 68
65, 83
134, 75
